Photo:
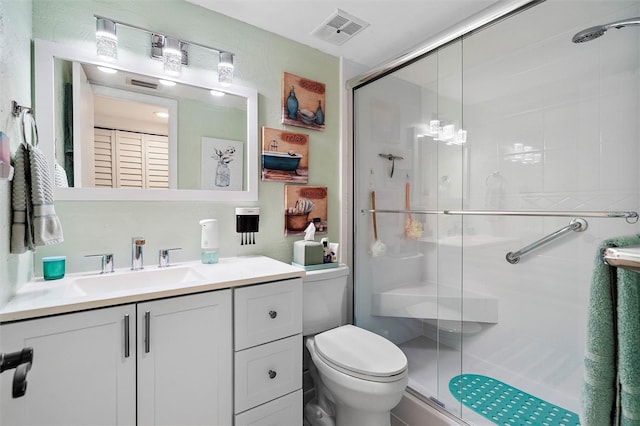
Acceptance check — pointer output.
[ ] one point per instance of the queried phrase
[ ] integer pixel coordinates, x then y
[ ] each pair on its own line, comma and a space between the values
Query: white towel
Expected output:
35, 222
46, 225
61, 176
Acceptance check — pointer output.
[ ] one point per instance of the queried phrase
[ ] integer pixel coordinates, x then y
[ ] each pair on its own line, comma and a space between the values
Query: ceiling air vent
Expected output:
141, 83
339, 27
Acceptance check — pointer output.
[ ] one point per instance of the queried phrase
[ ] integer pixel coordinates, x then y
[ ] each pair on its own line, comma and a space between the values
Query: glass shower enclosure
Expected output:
477, 149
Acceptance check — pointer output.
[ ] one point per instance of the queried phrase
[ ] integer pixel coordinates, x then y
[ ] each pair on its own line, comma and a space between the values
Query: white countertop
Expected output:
39, 298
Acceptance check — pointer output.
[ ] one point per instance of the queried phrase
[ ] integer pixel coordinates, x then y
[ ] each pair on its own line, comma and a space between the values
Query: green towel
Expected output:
611, 393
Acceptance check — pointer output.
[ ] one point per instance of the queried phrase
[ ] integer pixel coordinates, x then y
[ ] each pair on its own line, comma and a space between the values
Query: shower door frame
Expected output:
486, 17
349, 213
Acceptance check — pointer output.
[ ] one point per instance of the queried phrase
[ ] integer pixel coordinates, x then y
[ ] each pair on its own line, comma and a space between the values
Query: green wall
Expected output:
15, 67
261, 58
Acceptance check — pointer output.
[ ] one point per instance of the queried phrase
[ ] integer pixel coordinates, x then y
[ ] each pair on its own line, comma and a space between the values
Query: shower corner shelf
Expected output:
430, 301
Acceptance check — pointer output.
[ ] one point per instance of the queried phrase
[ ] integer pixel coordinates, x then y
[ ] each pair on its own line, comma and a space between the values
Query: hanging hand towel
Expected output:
21, 235
46, 225
611, 391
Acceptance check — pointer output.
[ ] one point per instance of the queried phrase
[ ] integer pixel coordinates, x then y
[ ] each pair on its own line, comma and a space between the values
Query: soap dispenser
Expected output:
209, 241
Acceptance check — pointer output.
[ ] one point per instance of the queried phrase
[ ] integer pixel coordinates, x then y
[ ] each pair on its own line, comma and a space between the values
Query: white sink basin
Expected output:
134, 280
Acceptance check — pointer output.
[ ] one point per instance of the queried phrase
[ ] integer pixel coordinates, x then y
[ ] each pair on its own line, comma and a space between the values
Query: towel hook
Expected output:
393, 159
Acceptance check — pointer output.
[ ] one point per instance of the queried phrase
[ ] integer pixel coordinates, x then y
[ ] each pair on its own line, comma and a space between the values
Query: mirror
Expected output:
206, 149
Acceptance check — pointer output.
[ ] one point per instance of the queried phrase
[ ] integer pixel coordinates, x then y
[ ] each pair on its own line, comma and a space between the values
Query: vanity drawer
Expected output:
267, 312
267, 372
286, 410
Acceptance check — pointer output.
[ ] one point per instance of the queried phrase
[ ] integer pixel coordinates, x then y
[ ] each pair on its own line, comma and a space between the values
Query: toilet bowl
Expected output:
358, 375
362, 374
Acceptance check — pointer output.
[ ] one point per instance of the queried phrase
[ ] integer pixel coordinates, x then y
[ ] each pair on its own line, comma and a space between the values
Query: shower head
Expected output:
595, 32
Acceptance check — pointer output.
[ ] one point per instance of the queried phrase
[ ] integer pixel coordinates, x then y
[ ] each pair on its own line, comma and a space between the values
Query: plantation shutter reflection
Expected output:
131, 160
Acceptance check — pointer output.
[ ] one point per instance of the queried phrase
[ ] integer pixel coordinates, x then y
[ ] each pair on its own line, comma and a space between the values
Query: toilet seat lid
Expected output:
360, 351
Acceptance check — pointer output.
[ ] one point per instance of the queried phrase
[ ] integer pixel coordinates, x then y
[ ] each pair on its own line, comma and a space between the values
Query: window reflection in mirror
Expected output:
125, 130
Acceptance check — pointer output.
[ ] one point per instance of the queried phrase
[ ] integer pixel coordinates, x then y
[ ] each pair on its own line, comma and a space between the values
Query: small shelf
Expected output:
428, 301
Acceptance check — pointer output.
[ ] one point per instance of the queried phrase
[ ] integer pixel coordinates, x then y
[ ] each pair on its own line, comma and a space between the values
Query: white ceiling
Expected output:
395, 25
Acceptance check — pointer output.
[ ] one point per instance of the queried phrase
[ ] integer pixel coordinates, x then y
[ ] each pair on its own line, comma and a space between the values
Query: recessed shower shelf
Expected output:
428, 301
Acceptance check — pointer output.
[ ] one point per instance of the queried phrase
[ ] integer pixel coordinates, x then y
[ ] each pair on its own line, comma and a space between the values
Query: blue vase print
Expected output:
292, 105
319, 115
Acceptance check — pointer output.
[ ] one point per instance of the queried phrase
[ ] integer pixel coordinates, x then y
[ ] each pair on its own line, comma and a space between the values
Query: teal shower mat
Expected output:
505, 405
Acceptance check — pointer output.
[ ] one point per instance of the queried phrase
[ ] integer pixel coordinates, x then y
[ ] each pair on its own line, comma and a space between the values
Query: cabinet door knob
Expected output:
273, 314
272, 374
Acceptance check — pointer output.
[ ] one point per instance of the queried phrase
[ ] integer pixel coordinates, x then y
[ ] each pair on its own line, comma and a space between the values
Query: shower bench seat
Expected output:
428, 301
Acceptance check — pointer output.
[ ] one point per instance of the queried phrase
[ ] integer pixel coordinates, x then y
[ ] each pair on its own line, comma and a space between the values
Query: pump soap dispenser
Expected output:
209, 241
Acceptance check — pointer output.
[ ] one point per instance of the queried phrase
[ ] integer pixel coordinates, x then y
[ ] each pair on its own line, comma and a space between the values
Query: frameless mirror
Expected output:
128, 136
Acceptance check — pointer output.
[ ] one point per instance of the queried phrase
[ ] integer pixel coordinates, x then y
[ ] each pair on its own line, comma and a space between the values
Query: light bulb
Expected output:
172, 57
106, 40
225, 68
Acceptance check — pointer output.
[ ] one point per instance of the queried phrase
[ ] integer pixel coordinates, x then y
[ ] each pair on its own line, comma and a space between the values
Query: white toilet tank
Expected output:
324, 294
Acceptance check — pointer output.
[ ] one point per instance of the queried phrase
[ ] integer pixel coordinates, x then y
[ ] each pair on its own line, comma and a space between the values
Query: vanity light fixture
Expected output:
225, 68
171, 50
216, 93
106, 39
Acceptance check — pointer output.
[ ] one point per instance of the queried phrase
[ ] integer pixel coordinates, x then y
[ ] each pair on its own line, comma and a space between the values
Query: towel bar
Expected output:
629, 216
626, 258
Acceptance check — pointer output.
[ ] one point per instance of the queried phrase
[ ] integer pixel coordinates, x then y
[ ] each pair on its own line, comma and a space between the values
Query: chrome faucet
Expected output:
163, 257
107, 264
136, 253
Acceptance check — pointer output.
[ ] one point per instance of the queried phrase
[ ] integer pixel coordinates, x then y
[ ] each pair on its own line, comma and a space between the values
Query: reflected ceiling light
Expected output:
216, 93
225, 68
167, 83
106, 39
447, 133
172, 57
107, 70
162, 114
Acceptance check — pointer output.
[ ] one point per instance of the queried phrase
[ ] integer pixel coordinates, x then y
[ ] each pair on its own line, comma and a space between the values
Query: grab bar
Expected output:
576, 224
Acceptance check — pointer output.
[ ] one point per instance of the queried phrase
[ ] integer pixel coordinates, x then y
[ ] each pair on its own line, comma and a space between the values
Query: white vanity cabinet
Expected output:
224, 349
268, 353
184, 360
81, 373
84, 368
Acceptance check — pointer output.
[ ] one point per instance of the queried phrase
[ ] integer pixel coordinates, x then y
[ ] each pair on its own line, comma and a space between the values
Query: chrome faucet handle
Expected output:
107, 263
137, 241
163, 256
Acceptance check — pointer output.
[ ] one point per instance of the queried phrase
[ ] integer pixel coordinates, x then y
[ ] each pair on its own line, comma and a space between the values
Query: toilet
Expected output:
358, 375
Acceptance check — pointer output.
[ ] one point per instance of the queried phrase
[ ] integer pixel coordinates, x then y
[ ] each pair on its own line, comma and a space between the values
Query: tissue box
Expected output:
307, 253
